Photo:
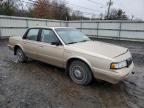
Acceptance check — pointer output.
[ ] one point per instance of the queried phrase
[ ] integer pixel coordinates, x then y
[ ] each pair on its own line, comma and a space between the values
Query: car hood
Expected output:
98, 48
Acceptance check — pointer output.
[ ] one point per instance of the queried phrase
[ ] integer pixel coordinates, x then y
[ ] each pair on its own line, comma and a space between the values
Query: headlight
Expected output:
118, 65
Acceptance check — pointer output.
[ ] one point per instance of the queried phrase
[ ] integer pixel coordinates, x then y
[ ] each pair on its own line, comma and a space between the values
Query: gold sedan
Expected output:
68, 48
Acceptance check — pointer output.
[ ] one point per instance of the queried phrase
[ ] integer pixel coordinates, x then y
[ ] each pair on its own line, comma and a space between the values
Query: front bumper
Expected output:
113, 76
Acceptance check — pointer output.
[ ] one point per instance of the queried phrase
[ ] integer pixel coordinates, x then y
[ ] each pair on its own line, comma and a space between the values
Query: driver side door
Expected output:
49, 52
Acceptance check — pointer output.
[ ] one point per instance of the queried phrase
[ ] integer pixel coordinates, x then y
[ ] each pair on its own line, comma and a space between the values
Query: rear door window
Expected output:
32, 34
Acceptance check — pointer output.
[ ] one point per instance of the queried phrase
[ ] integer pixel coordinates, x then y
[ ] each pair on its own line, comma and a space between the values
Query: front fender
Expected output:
80, 58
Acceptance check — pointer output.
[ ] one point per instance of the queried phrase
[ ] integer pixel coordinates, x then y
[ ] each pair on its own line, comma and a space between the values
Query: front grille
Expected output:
129, 61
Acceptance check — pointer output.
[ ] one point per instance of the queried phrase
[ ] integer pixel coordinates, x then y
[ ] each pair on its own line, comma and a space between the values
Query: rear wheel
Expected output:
80, 73
20, 56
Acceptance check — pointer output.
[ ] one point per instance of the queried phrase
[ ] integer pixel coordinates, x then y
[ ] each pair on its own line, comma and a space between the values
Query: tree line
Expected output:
51, 9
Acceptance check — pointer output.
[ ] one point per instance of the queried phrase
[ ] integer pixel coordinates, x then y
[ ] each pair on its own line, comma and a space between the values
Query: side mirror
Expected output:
56, 43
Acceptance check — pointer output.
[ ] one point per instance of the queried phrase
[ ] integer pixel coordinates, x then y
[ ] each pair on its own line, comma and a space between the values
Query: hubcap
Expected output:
78, 73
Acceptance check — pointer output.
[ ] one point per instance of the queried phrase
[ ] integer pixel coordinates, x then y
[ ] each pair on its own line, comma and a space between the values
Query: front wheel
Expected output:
80, 73
20, 56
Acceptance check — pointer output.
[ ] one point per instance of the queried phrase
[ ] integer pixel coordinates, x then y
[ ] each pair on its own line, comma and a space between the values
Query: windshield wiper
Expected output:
84, 41
78, 42
72, 42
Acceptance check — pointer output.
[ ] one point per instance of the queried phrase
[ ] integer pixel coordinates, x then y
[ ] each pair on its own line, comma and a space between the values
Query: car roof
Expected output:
47, 27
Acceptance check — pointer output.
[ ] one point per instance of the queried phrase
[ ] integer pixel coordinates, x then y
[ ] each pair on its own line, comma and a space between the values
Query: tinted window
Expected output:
48, 36
32, 34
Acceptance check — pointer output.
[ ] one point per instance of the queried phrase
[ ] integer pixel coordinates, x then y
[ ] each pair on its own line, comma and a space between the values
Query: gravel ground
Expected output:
39, 85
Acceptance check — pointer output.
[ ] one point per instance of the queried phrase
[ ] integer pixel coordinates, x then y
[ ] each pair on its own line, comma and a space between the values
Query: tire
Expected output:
80, 73
21, 58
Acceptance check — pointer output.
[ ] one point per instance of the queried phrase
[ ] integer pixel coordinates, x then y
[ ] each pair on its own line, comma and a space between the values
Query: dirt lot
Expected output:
39, 85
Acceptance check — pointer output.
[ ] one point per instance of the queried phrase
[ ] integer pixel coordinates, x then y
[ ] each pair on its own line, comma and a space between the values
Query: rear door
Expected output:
30, 42
49, 52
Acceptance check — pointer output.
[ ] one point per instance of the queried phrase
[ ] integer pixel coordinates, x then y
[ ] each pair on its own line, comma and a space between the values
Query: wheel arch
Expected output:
16, 47
77, 58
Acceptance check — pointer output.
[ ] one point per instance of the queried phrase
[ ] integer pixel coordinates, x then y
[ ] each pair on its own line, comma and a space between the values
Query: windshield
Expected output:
70, 36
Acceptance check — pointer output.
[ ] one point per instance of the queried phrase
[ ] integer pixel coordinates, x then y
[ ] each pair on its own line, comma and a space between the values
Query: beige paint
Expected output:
98, 55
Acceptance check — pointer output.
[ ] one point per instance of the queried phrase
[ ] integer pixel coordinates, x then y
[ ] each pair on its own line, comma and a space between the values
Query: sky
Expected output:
131, 7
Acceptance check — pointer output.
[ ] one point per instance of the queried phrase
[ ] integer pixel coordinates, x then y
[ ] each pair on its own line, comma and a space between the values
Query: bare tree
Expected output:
7, 7
101, 16
77, 15
117, 14
50, 9
41, 9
